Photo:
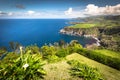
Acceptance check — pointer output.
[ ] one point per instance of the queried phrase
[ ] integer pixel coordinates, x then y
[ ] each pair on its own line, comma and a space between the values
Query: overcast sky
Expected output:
57, 8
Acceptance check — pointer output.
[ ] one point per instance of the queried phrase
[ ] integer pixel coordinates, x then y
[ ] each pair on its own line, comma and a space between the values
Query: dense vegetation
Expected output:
25, 66
109, 30
105, 28
102, 58
28, 62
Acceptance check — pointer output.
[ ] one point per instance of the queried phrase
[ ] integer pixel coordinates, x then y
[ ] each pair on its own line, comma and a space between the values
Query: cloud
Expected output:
92, 9
20, 6
10, 14
69, 11
72, 12
30, 12
2, 13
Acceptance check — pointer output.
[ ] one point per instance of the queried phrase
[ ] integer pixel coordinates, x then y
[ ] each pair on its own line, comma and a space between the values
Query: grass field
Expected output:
108, 24
60, 70
83, 25
109, 53
108, 72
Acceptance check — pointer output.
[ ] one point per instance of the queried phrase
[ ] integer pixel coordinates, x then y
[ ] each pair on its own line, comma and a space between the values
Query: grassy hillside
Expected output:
98, 21
109, 53
60, 70
108, 72
83, 25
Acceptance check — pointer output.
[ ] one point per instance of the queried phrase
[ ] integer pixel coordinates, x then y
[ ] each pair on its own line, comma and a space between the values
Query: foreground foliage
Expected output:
107, 72
26, 67
27, 63
84, 71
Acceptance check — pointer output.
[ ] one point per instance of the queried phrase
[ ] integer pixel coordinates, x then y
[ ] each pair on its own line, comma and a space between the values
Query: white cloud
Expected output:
31, 12
69, 11
10, 14
92, 9
0, 13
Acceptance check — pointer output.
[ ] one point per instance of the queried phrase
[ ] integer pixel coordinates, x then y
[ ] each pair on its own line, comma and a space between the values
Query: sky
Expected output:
57, 8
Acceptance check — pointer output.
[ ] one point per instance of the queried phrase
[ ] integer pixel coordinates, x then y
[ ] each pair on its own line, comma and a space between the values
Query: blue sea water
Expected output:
35, 31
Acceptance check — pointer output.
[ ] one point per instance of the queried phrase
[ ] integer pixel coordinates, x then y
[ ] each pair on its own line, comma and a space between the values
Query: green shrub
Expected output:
34, 49
74, 46
8, 59
52, 58
84, 71
107, 60
2, 51
63, 52
25, 67
48, 50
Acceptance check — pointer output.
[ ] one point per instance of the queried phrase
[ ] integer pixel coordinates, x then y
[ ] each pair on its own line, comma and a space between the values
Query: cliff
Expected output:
106, 37
87, 32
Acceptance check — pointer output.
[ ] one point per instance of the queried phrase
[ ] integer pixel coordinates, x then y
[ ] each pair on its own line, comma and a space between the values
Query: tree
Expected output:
61, 43
14, 45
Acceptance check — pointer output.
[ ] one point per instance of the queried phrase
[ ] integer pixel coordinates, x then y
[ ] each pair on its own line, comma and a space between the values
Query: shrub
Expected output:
74, 46
34, 49
84, 71
48, 50
53, 58
25, 67
107, 60
62, 52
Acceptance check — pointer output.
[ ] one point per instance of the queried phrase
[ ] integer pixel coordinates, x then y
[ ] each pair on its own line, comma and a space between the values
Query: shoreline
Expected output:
72, 33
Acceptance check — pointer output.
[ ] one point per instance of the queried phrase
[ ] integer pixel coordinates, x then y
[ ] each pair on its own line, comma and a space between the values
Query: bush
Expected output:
107, 60
34, 49
25, 67
84, 71
62, 52
53, 58
74, 46
48, 50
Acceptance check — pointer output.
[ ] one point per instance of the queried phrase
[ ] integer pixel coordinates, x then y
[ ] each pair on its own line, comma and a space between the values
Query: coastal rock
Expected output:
86, 32
89, 32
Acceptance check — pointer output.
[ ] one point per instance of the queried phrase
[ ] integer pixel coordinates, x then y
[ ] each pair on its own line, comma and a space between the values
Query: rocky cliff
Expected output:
87, 32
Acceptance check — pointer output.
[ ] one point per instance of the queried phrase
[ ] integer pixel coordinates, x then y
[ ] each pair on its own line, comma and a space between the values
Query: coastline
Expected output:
72, 33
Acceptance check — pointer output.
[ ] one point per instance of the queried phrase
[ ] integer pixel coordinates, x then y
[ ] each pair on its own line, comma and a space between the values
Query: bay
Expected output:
36, 31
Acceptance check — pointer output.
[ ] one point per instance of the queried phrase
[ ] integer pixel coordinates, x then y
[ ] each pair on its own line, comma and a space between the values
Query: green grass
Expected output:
109, 53
101, 57
84, 71
107, 72
83, 25
107, 23
58, 71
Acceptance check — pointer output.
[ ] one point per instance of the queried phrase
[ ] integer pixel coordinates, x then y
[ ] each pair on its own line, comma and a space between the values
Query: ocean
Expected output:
36, 31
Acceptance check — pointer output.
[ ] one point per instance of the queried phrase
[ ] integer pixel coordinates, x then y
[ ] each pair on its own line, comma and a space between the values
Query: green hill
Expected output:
60, 70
